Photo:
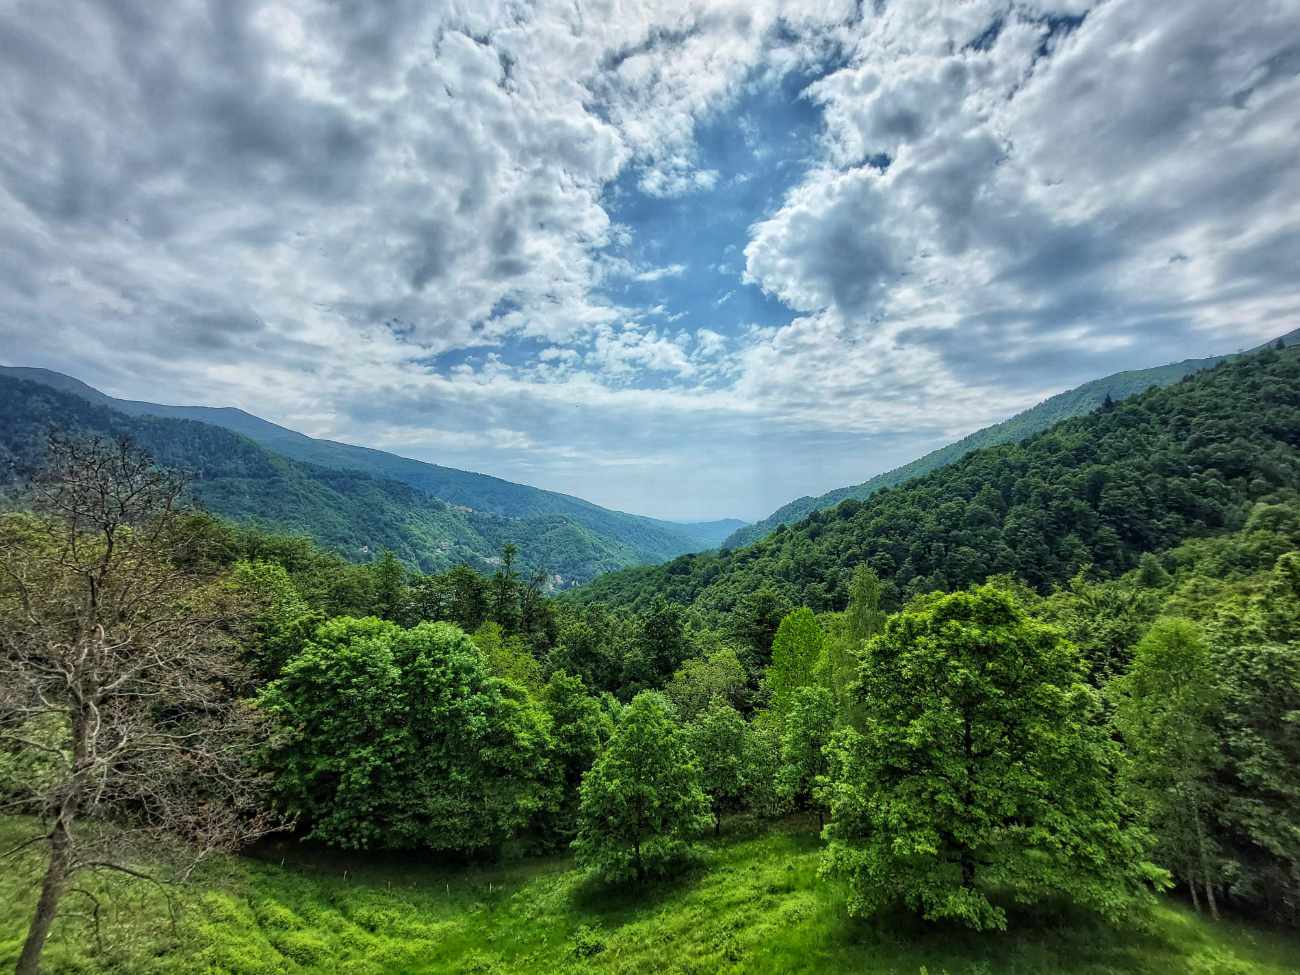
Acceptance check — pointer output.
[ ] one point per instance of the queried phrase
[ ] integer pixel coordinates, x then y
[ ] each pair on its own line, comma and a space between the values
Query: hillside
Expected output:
1073, 402
646, 539
1100, 489
349, 510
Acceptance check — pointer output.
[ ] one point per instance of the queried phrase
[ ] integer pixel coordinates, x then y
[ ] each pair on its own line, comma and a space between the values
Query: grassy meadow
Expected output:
754, 904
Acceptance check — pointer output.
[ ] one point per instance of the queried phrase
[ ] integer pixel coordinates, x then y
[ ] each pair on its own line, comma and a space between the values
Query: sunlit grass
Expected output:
754, 905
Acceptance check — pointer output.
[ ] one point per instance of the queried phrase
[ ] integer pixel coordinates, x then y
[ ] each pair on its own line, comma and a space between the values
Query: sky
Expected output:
687, 259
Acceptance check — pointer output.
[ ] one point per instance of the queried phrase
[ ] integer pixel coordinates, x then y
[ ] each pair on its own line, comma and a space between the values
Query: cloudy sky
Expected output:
684, 258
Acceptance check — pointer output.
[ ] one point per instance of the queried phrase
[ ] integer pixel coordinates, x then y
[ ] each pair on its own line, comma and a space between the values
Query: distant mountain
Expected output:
1074, 402
352, 498
1143, 475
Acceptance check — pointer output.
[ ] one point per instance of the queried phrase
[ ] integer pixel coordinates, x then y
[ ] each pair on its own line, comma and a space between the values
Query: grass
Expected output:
755, 905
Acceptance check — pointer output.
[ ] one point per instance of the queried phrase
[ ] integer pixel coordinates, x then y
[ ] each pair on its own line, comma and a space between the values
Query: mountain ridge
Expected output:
1076, 401
654, 538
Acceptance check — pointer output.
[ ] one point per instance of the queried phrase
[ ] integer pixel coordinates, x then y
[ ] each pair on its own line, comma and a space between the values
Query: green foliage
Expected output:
580, 728
718, 677
718, 741
1162, 467
280, 620
1075, 402
797, 652
658, 649
641, 801
980, 772
399, 739
1168, 709
808, 725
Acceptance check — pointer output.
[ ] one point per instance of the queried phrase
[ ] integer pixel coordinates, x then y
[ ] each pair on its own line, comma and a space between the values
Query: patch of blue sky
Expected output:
759, 146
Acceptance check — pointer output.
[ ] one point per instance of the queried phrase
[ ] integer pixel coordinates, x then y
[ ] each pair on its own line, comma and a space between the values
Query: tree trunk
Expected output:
56, 875
717, 822
1191, 885
1205, 865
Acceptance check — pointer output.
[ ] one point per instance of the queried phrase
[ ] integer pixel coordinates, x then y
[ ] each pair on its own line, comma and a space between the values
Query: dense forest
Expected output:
1099, 490
1059, 671
351, 499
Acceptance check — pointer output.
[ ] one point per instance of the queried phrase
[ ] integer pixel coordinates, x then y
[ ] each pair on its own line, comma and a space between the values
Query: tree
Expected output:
809, 723
401, 739
980, 768
658, 648
703, 681
580, 728
115, 666
279, 620
1167, 714
718, 740
796, 654
390, 601
756, 618
505, 590
641, 801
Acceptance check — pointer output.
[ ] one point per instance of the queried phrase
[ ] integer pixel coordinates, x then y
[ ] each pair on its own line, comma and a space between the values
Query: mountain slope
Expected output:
645, 539
1096, 490
1074, 402
348, 510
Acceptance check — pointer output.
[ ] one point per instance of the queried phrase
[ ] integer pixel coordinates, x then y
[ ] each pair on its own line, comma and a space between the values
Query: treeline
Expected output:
1136, 476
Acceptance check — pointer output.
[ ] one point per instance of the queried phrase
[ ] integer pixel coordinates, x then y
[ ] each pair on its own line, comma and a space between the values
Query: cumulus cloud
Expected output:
394, 221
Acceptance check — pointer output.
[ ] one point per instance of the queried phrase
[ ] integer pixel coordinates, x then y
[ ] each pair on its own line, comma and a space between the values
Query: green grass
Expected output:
755, 905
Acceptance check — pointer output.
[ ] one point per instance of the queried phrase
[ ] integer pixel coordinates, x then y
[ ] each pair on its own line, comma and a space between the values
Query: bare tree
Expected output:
120, 683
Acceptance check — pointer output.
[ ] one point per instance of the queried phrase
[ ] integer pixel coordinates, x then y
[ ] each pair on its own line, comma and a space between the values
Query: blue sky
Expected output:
681, 258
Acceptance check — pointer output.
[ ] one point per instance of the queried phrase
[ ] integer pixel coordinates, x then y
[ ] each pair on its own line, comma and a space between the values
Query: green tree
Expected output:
400, 739
506, 590
980, 769
703, 681
1261, 774
580, 728
796, 655
756, 618
658, 648
279, 620
718, 740
809, 723
389, 588
641, 801
862, 620
1167, 714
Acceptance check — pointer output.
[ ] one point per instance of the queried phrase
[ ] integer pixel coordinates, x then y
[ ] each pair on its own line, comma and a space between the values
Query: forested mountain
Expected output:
626, 539
355, 511
1073, 402
1135, 476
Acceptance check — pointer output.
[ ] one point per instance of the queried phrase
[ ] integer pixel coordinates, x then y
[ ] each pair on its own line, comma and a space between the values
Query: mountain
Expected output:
349, 498
1074, 402
651, 539
1138, 475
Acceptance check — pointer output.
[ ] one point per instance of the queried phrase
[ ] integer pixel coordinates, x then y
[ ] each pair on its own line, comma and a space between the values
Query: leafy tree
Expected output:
580, 728
642, 800
468, 598
763, 794
401, 739
718, 741
507, 657
862, 620
505, 590
809, 723
796, 655
279, 620
1261, 749
702, 682
757, 617
980, 768
389, 588
658, 648
1168, 712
